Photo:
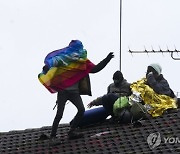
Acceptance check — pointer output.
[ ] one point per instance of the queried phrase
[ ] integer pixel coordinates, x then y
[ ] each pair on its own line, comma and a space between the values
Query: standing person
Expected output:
70, 68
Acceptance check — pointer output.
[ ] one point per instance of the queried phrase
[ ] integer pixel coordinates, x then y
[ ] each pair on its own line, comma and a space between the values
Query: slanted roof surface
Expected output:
99, 139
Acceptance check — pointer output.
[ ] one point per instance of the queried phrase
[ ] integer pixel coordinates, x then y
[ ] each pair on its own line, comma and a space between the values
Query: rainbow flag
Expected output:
66, 67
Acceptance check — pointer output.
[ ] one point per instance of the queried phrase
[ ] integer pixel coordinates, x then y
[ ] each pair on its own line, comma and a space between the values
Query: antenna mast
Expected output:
120, 34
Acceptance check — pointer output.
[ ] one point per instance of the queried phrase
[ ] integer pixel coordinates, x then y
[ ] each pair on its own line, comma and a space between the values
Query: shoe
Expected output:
53, 140
74, 135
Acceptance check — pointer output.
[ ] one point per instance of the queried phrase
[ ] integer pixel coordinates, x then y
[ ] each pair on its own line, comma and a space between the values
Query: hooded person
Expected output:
156, 80
66, 73
155, 91
120, 86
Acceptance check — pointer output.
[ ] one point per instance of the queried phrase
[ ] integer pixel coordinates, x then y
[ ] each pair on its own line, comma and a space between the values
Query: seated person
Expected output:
121, 109
120, 86
157, 82
155, 91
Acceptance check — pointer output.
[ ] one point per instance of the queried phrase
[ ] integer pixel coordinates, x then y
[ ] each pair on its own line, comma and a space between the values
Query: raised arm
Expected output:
103, 63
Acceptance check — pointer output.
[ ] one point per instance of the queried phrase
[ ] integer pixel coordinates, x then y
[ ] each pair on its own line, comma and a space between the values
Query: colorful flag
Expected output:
66, 67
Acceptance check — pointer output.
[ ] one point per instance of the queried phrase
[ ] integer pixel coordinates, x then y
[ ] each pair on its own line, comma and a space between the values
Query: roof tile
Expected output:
100, 138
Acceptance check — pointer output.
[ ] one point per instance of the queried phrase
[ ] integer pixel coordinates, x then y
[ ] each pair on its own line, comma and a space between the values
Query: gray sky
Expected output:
30, 29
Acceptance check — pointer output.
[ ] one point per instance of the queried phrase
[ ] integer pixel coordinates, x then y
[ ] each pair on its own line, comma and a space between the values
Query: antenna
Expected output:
172, 52
120, 34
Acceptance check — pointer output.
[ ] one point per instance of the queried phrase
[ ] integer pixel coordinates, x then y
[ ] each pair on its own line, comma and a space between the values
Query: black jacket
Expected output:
122, 90
160, 85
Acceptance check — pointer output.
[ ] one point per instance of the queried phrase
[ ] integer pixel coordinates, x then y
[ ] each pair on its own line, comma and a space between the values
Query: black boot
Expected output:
73, 134
43, 137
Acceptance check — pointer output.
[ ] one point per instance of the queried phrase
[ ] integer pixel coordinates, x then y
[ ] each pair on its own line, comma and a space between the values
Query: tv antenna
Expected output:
172, 52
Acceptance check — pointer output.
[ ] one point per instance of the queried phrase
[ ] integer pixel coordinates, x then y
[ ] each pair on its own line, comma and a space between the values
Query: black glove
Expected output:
90, 105
110, 56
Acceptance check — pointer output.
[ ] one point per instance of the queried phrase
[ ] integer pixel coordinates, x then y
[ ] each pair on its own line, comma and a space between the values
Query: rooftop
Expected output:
101, 138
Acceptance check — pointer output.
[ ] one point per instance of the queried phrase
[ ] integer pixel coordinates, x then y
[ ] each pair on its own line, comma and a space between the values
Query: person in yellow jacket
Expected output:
155, 91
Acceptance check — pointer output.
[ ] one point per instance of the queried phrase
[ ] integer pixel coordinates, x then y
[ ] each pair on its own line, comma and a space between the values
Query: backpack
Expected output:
119, 104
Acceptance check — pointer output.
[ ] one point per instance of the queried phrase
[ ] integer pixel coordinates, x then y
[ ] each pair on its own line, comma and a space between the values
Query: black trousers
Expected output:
108, 101
62, 98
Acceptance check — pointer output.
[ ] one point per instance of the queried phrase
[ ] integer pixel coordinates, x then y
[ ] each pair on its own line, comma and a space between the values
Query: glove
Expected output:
90, 105
95, 102
110, 56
